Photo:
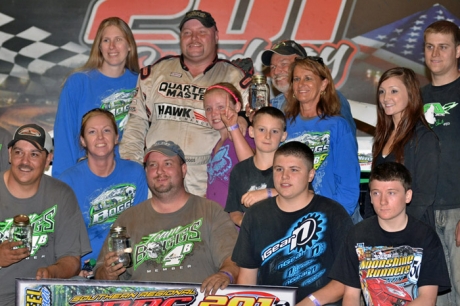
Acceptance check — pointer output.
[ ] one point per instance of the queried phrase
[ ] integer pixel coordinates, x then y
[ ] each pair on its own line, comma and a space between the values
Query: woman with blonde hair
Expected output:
107, 80
313, 116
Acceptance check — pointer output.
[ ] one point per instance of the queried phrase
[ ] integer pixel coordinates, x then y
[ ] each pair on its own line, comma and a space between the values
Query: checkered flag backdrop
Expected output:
32, 64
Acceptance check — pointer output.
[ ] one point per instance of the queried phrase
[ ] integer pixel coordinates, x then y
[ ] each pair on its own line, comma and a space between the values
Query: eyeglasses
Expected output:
291, 44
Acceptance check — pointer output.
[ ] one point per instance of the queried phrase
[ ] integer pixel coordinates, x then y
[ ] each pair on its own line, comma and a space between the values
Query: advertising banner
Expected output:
30, 292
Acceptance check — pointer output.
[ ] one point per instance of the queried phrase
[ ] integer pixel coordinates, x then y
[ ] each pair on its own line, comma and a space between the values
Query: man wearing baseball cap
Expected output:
279, 58
175, 236
168, 104
204, 17
59, 235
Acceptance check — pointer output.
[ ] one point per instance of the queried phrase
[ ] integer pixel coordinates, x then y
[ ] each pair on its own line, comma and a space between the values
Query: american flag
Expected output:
401, 42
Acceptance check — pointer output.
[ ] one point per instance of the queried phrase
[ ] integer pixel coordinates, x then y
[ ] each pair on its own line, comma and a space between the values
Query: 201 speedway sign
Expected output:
117, 293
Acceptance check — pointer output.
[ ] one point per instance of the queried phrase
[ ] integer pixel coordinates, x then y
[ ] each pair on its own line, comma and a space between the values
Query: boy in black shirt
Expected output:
293, 239
251, 180
394, 258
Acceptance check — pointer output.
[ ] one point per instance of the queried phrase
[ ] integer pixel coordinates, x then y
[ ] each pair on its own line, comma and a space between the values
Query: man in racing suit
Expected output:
168, 104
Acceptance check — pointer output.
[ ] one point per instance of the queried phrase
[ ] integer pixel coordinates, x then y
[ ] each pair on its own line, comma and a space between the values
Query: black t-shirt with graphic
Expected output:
391, 265
443, 114
246, 177
292, 249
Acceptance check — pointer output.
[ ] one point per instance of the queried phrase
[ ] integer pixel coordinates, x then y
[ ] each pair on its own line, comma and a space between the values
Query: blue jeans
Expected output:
446, 222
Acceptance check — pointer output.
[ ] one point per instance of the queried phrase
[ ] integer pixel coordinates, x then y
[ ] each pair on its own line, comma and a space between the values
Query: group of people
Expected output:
297, 159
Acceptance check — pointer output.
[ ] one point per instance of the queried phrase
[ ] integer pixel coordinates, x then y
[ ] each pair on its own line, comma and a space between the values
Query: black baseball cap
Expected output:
204, 17
284, 47
34, 134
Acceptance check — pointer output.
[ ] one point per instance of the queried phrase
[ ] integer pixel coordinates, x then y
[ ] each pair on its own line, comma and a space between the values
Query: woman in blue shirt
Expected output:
313, 117
107, 80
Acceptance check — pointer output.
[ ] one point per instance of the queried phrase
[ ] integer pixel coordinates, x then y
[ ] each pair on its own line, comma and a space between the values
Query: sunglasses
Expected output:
317, 59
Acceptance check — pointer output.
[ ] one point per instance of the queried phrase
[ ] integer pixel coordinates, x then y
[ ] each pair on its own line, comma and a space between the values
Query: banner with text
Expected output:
30, 292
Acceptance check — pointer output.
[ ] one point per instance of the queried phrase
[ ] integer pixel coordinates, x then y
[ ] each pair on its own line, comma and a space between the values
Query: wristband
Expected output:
269, 192
229, 276
314, 300
233, 127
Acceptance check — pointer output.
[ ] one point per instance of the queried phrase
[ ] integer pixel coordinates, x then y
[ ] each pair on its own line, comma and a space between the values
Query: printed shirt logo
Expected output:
318, 142
435, 113
220, 165
182, 91
255, 187
300, 249
169, 247
106, 207
42, 225
389, 275
118, 104
174, 112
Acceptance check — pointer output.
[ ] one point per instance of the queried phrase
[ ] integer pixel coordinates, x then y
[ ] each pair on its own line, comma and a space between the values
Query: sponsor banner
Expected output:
117, 293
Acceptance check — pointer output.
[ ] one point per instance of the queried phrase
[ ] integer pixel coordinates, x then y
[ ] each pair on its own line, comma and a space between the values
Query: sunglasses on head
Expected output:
317, 59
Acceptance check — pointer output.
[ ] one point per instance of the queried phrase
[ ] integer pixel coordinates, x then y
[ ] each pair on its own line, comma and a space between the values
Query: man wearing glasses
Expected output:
279, 58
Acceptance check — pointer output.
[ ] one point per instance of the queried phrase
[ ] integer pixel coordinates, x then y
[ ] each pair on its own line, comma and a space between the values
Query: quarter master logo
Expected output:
42, 224
182, 91
168, 248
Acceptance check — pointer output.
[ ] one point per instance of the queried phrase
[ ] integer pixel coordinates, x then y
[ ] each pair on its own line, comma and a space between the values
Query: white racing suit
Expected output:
168, 105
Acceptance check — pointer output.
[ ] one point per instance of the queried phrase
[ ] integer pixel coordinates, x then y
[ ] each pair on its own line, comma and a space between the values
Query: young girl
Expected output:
222, 102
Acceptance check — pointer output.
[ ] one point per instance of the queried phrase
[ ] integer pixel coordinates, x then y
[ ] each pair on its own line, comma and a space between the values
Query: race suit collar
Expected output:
184, 66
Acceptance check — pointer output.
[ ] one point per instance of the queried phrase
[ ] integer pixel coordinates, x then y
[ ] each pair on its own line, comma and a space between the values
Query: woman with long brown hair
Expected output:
402, 135
107, 80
